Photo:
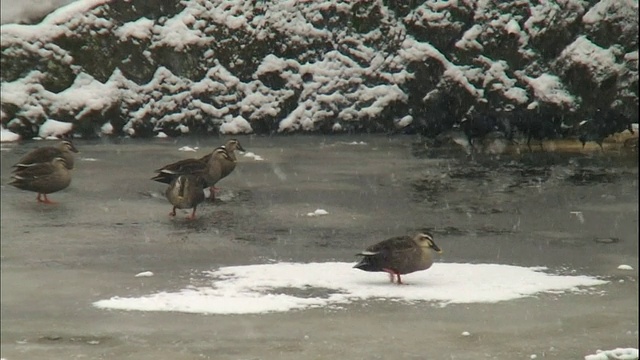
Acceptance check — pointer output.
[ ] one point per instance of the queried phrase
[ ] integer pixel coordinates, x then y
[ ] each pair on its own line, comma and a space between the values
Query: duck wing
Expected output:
205, 159
167, 173
398, 243
39, 155
33, 171
387, 254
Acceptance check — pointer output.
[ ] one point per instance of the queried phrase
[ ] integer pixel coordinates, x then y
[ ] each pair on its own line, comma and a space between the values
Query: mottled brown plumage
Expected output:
43, 178
220, 164
212, 167
168, 173
64, 149
185, 192
399, 255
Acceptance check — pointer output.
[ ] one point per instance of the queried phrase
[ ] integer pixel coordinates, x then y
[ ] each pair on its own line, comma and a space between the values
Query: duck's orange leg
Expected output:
193, 214
392, 274
45, 200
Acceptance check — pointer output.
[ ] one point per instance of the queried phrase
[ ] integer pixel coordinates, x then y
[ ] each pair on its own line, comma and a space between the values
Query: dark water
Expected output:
567, 211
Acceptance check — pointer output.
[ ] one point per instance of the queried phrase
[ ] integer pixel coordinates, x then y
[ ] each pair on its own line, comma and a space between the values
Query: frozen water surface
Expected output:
520, 274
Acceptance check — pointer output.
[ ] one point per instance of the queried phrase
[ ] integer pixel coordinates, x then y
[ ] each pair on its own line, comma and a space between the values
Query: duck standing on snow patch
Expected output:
399, 255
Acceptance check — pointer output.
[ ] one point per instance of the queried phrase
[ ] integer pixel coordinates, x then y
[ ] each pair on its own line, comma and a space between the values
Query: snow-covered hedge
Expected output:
139, 68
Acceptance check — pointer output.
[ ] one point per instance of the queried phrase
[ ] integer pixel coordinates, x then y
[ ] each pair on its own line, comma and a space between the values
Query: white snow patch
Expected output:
469, 39
253, 289
85, 95
496, 78
549, 88
466, 333
616, 354
625, 267
600, 62
162, 135
609, 10
318, 212
513, 27
54, 128
236, 125
140, 29
107, 128
254, 156
73, 10
176, 33
188, 148
88, 159
403, 122
337, 93
8, 136
357, 143
144, 274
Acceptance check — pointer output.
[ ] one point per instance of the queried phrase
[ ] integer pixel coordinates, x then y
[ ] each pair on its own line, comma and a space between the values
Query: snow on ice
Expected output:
616, 354
255, 289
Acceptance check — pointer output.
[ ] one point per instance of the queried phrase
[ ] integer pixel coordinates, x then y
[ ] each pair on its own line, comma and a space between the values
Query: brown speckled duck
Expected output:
219, 165
64, 149
43, 178
212, 167
399, 255
185, 192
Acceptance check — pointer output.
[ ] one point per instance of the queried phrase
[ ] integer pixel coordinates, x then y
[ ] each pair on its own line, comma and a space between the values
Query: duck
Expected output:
227, 163
399, 255
43, 178
185, 192
212, 167
64, 149
219, 165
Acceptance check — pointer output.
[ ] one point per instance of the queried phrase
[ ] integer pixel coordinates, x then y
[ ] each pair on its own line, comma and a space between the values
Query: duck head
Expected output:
426, 240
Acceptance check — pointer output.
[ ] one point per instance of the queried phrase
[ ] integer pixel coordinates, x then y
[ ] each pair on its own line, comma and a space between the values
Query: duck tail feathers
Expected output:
365, 264
163, 178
